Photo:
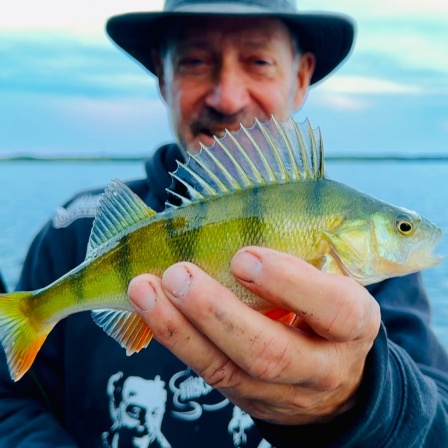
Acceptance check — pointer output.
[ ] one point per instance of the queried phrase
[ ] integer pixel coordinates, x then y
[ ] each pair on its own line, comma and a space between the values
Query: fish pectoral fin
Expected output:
343, 259
350, 242
330, 265
126, 327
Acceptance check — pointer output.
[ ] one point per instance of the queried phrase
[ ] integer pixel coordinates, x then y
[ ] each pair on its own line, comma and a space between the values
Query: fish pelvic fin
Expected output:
119, 209
21, 338
266, 153
126, 327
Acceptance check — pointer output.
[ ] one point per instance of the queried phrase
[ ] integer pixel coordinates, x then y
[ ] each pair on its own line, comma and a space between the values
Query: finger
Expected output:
334, 306
173, 330
265, 349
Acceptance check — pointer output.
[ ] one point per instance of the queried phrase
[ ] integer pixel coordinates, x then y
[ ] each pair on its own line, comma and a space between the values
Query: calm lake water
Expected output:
31, 191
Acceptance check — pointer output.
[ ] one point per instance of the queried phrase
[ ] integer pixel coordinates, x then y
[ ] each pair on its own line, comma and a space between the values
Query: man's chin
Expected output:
206, 139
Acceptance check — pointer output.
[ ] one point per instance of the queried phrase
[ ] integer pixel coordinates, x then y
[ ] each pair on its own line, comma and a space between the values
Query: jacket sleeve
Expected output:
403, 399
28, 407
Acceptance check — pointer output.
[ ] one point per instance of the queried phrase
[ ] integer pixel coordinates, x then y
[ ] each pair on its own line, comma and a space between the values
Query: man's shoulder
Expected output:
84, 204
73, 219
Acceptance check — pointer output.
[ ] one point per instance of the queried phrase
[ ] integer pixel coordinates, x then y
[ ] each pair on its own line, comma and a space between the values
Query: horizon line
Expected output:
334, 157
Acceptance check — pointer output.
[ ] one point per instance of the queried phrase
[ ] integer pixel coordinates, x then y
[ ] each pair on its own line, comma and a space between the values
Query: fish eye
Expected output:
405, 225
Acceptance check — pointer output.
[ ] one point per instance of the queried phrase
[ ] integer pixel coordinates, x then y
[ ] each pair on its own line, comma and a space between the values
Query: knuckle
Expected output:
222, 374
270, 361
329, 382
328, 368
356, 314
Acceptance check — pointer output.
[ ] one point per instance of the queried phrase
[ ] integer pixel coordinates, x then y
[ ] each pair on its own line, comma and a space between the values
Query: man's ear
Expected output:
305, 72
157, 58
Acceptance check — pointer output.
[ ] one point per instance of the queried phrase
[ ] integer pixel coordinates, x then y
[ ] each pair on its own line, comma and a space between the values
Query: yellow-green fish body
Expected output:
263, 186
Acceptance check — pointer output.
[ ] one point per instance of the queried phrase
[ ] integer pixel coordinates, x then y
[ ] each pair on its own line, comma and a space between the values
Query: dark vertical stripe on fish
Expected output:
319, 194
121, 262
76, 285
252, 226
182, 237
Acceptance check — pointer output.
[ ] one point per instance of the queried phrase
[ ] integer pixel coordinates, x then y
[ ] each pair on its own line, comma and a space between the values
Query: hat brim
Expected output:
329, 37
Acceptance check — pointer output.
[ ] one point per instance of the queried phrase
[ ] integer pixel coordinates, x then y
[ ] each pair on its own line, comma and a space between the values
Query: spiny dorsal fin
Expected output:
266, 153
119, 209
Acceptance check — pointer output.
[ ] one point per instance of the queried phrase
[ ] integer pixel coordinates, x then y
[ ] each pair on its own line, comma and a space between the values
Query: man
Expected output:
356, 374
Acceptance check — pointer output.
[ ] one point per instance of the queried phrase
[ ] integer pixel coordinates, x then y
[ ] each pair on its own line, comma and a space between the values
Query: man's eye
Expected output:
261, 62
193, 66
192, 62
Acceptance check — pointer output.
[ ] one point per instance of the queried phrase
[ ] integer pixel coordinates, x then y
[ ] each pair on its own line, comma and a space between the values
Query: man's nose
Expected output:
228, 94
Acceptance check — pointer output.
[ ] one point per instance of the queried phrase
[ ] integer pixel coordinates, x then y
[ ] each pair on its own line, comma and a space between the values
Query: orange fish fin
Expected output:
126, 327
21, 339
282, 315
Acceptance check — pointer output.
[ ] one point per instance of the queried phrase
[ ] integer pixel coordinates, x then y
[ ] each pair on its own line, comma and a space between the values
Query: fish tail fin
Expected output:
21, 339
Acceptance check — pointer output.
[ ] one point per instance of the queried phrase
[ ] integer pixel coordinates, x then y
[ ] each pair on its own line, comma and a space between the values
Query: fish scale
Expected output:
261, 186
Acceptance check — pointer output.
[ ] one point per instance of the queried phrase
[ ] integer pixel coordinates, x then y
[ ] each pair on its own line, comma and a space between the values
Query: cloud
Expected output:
63, 65
366, 85
410, 34
82, 17
357, 93
86, 15
373, 9
412, 45
337, 101
61, 125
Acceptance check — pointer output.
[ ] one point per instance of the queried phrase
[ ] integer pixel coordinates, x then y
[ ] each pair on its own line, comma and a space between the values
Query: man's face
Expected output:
221, 72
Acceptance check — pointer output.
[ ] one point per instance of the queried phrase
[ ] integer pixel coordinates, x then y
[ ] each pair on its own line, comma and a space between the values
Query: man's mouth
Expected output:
219, 133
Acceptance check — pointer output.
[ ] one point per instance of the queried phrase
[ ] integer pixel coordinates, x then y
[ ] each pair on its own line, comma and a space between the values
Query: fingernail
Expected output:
142, 295
177, 280
246, 266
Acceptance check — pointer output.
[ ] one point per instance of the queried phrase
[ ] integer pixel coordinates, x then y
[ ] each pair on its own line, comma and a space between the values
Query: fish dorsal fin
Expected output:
266, 153
119, 209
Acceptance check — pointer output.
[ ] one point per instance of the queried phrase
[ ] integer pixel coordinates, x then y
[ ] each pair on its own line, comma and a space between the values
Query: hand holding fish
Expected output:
273, 371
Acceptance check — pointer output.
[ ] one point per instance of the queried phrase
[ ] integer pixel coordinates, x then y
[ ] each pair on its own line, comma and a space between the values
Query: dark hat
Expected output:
328, 36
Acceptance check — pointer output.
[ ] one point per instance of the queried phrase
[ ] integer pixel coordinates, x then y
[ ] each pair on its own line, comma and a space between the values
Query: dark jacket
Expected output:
84, 391
2, 285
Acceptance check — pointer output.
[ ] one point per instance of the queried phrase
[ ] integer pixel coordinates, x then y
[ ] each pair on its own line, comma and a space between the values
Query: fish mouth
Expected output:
435, 242
428, 257
436, 259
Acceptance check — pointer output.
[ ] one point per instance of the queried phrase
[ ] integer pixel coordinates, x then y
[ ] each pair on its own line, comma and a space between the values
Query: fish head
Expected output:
387, 242
405, 240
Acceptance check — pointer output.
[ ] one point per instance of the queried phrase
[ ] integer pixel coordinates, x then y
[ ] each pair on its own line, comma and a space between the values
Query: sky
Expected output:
66, 89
